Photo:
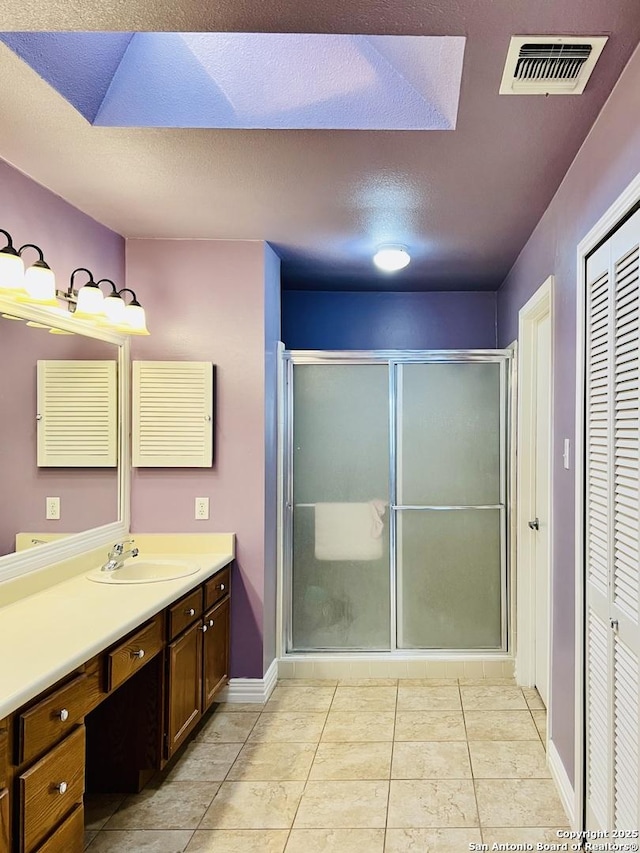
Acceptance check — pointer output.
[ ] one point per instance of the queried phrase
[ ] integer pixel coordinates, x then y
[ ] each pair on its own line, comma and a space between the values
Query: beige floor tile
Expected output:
173, 805
520, 759
205, 762
428, 698
225, 727
307, 682
98, 808
540, 719
368, 682
354, 726
352, 761
353, 805
430, 840
273, 762
500, 725
518, 802
433, 803
254, 805
523, 835
432, 760
303, 699
429, 725
336, 841
533, 698
364, 699
239, 707
238, 841
89, 835
493, 699
285, 727
141, 841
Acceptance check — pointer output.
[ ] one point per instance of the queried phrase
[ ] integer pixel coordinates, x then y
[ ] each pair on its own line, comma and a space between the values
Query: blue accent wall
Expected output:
348, 321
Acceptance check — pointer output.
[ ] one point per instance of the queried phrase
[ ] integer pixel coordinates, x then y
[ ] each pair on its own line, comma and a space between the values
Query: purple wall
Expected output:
207, 302
69, 239
88, 496
371, 320
605, 165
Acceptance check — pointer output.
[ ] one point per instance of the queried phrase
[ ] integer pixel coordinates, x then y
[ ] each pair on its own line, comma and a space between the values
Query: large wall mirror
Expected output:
91, 496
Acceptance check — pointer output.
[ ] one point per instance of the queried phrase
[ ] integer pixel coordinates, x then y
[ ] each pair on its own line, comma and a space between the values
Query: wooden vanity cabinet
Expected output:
5, 839
215, 664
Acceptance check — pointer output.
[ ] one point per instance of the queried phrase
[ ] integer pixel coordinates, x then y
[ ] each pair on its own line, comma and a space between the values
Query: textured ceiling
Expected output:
463, 201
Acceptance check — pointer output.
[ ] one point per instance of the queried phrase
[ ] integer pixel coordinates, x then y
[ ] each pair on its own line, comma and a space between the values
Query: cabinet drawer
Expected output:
217, 587
45, 723
184, 612
134, 652
50, 790
69, 838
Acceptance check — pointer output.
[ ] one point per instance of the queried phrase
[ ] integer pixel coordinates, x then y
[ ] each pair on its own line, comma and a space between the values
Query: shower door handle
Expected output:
535, 524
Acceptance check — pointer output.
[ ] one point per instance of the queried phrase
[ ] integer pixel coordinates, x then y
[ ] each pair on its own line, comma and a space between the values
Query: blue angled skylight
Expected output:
251, 80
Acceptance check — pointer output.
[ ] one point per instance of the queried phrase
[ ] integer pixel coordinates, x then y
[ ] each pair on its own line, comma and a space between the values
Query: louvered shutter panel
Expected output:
612, 553
77, 414
172, 414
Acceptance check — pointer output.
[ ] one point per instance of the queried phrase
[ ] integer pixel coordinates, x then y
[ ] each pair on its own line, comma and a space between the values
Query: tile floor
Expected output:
375, 766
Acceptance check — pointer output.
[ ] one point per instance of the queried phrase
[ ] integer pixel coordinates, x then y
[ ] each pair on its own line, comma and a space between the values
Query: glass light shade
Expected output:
134, 321
90, 303
11, 273
114, 308
391, 258
40, 285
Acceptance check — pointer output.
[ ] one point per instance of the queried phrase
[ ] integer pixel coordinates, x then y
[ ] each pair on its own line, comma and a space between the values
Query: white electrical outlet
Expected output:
53, 509
202, 508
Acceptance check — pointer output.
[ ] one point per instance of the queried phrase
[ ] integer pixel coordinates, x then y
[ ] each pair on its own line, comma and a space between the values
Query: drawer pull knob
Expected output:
139, 654
211, 623
204, 628
221, 587
64, 715
190, 612
62, 787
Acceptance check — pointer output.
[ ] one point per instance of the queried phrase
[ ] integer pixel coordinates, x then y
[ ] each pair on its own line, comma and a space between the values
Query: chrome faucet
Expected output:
117, 555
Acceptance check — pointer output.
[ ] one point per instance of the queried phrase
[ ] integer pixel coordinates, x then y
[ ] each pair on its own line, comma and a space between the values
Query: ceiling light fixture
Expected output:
391, 258
134, 321
39, 280
11, 269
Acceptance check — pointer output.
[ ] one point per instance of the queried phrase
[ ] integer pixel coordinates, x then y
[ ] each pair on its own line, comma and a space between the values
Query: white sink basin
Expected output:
145, 571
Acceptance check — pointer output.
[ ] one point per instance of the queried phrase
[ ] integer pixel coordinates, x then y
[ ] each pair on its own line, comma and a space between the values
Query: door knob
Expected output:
535, 524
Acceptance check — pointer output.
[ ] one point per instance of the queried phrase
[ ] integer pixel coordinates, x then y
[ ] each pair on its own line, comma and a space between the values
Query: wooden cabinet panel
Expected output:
4, 752
51, 719
184, 686
216, 651
184, 612
217, 587
50, 790
5, 844
68, 838
134, 652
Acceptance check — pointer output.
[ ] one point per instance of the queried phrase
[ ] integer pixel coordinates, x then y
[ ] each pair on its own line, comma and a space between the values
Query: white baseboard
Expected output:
250, 689
563, 784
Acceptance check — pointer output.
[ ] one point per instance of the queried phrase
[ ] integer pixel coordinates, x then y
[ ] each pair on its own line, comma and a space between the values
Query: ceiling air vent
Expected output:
550, 65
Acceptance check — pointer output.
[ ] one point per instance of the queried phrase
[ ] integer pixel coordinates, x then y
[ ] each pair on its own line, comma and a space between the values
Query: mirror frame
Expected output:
23, 562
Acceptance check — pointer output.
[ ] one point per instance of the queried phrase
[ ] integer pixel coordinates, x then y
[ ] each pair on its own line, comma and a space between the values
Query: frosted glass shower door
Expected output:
340, 565
449, 505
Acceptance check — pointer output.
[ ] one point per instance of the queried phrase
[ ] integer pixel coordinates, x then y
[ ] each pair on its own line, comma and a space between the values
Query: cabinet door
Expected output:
216, 650
184, 693
4, 821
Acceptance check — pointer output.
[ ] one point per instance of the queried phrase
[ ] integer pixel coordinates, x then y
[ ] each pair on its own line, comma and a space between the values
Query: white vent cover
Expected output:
77, 414
172, 414
550, 65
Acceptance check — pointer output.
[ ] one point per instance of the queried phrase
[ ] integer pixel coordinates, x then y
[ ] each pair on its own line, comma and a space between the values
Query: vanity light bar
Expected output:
36, 285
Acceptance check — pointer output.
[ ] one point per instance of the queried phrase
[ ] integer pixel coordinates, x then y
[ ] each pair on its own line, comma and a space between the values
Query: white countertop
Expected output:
47, 635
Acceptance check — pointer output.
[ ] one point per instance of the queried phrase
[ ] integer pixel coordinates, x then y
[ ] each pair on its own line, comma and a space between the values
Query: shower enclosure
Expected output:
395, 492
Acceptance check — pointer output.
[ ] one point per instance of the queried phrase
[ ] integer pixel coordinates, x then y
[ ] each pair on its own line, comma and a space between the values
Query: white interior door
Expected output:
542, 501
612, 641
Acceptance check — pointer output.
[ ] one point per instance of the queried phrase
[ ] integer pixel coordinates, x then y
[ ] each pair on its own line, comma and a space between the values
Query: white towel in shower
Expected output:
349, 531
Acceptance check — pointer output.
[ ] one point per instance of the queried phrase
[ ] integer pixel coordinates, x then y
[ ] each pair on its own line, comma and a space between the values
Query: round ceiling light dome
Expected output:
391, 258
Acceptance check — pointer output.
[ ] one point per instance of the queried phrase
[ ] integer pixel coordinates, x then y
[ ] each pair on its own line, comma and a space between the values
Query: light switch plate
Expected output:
202, 508
566, 454
53, 509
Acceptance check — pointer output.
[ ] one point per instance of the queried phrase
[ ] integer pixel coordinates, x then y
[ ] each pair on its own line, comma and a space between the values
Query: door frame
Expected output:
536, 309
621, 208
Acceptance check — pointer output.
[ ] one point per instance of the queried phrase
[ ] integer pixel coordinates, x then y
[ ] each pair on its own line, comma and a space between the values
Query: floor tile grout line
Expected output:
393, 742
473, 778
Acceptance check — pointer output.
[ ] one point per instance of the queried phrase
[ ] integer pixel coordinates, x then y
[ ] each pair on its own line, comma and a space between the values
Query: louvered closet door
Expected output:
612, 555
